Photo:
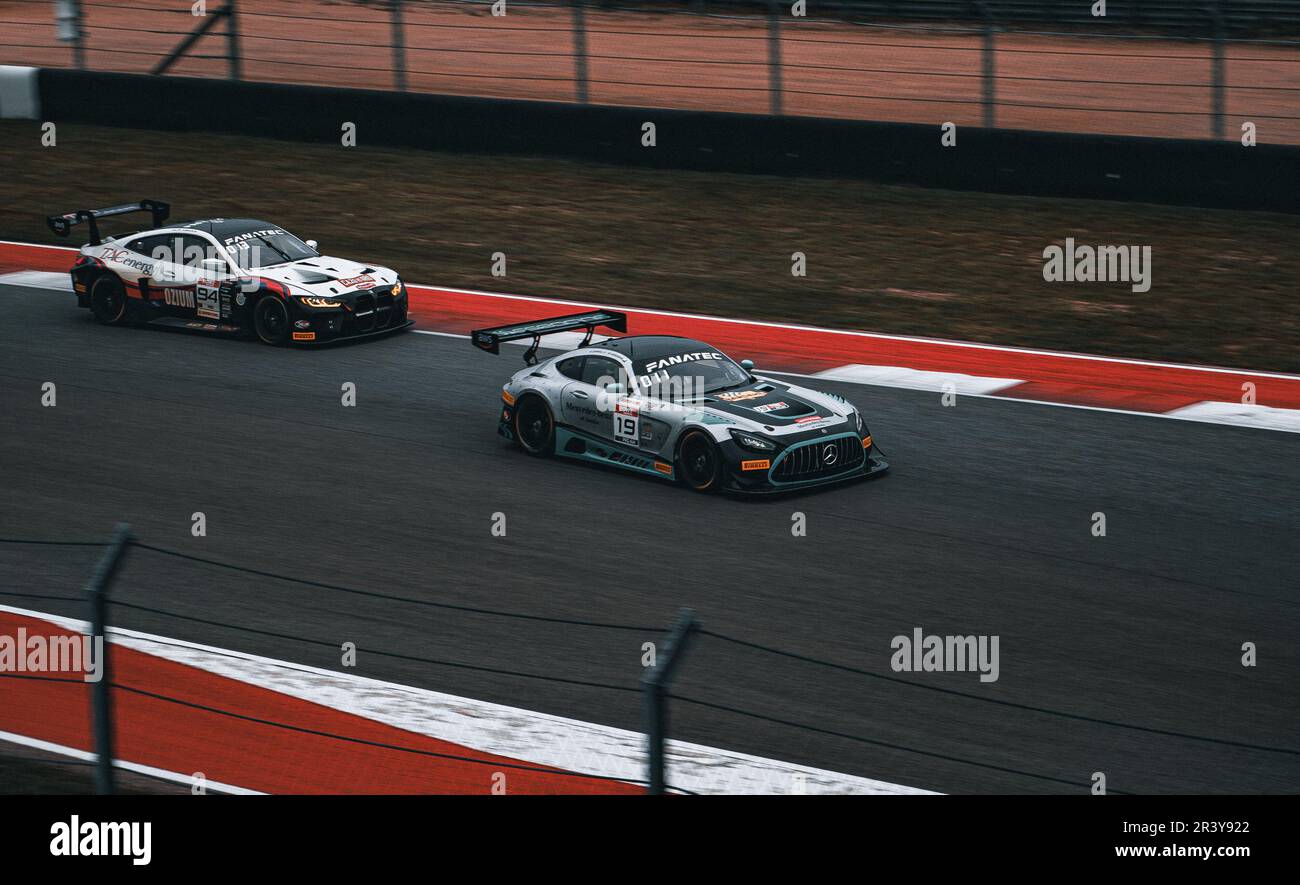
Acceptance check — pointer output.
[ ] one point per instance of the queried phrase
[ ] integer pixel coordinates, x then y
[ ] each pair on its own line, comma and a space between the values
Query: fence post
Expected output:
989, 78
399, 47
1218, 70
101, 711
232, 38
67, 25
654, 697
774, 55
580, 50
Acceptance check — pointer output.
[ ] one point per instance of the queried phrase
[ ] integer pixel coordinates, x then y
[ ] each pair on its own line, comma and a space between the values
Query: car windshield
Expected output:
264, 248
686, 375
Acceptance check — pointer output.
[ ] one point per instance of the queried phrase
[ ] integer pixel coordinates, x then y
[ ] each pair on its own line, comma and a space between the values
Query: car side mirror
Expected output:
311, 244
615, 388
747, 365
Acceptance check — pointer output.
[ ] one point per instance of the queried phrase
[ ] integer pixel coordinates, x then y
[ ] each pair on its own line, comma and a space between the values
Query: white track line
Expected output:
1241, 415
538, 738
1080, 406
160, 773
975, 345
1286, 420
38, 279
917, 379
1209, 411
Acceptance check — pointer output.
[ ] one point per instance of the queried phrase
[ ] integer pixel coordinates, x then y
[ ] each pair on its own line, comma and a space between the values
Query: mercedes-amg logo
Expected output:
829, 454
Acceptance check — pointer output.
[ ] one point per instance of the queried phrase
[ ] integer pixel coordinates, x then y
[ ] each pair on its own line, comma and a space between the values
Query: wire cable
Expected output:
857, 671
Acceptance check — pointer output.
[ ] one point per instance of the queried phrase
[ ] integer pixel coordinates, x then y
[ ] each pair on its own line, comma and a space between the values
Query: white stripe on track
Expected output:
160, 773
880, 336
917, 379
538, 738
1213, 412
1241, 415
38, 279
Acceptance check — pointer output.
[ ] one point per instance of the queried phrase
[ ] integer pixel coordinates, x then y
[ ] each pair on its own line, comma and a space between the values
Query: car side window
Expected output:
600, 370
195, 249
571, 368
147, 245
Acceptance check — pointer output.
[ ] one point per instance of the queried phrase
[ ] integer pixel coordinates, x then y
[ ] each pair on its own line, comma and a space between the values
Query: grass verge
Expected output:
882, 258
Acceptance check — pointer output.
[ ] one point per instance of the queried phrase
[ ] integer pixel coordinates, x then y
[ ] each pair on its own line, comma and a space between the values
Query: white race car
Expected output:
229, 275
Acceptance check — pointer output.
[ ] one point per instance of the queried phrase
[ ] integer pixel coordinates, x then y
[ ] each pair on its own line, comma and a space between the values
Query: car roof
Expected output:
222, 228
647, 347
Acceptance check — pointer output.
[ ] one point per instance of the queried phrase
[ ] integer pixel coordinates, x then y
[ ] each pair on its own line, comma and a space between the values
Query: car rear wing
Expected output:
490, 339
62, 224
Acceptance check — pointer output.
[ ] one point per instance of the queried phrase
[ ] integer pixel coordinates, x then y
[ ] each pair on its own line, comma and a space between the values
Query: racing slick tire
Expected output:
108, 299
699, 462
271, 320
534, 425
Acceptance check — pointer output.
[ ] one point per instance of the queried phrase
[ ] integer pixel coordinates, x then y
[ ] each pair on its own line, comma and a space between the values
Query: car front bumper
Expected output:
812, 462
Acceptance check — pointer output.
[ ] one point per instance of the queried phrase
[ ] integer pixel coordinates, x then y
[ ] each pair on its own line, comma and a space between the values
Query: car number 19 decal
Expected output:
627, 425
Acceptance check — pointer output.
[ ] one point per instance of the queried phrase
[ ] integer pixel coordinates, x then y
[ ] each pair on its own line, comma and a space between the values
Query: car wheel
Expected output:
534, 426
271, 321
108, 299
699, 462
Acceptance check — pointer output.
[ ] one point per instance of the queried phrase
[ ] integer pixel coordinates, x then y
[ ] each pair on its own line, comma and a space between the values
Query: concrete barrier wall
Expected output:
1206, 173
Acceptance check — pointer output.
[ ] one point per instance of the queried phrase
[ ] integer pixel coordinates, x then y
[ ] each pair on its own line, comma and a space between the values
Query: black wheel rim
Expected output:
534, 424
698, 461
272, 320
111, 300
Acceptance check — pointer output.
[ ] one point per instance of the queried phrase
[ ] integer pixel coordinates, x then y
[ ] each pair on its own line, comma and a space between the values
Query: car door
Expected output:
179, 280
577, 400
206, 268
169, 291
589, 406
141, 267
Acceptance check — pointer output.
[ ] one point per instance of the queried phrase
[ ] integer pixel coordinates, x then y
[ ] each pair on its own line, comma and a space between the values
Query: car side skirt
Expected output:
581, 446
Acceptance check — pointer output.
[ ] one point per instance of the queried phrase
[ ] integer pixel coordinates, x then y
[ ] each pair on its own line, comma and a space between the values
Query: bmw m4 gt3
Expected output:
231, 276
677, 409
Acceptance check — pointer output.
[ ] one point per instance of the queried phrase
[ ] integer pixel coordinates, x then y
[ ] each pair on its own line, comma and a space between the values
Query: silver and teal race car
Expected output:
677, 409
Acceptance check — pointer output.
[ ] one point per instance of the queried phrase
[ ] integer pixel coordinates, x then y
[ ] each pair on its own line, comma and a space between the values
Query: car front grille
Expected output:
818, 459
385, 309
363, 309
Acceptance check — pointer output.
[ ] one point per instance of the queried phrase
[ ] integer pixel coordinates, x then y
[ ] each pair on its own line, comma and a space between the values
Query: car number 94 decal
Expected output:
207, 301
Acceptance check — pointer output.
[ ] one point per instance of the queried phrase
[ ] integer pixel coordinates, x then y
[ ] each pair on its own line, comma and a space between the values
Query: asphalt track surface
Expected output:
982, 527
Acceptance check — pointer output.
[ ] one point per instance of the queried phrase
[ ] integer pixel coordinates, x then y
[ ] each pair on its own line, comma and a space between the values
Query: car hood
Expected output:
327, 276
773, 407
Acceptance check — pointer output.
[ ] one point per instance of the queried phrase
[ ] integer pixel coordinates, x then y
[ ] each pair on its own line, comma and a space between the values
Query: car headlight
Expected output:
861, 423
396, 291
319, 303
750, 441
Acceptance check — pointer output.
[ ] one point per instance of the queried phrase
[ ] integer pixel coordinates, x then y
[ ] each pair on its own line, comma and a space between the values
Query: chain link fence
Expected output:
655, 690
1148, 69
